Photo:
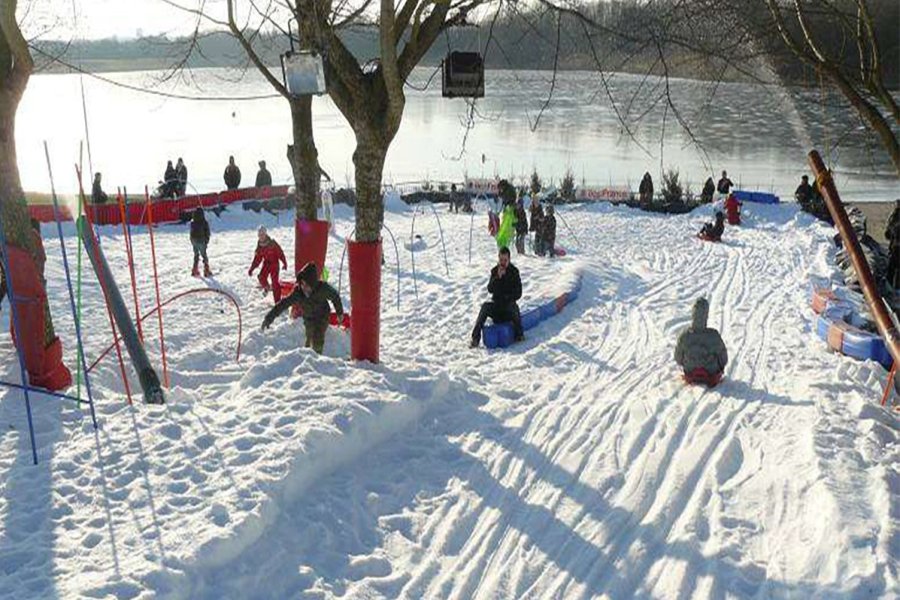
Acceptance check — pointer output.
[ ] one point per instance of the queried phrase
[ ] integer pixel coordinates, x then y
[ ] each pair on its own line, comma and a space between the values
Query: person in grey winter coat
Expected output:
700, 350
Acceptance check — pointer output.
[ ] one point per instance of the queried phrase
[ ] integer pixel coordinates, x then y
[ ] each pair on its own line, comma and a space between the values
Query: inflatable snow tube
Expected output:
757, 197
835, 328
501, 335
821, 298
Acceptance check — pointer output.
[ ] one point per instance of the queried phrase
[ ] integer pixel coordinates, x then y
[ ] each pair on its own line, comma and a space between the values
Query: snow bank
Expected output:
575, 464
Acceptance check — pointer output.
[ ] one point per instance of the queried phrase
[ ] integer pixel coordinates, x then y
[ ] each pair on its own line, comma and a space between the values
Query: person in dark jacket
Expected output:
804, 193
199, 241
232, 175
700, 351
537, 216
709, 188
98, 196
892, 235
312, 296
724, 186
713, 231
454, 199
263, 177
181, 176
521, 226
646, 190
548, 233
170, 182
505, 287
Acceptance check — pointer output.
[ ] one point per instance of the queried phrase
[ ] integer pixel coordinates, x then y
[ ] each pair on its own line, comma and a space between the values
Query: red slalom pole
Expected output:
128, 253
159, 315
112, 323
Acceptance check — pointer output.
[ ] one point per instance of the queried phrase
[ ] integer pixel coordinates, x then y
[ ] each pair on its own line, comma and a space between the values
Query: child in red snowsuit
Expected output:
733, 209
269, 253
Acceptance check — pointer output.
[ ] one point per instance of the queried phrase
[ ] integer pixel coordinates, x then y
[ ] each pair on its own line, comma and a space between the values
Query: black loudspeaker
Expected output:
463, 75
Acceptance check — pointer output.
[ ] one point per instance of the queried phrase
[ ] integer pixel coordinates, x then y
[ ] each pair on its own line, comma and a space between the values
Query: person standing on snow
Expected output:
733, 209
505, 287
269, 254
521, 226
181, 176
724, 186
199, 241
312, 296
700, 351
709, 189
232, 175
537, 215
548, 233
646, 190
263, 177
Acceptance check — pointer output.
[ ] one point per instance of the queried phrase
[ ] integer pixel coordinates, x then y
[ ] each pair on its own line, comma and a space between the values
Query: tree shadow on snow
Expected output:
332, 538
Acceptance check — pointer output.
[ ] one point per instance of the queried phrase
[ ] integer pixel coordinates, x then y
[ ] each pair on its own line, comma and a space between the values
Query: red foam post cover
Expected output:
310, 243
43, 363
365, 297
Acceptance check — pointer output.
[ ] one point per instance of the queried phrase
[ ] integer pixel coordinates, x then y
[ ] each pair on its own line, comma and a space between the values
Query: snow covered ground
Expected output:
573, 465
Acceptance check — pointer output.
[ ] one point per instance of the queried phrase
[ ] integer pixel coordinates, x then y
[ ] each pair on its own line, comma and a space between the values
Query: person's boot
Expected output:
475, 342
206, 271
195, 272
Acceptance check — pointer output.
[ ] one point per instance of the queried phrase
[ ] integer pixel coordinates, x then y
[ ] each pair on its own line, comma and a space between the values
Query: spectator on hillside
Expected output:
232, 175
646, 190
263, 177
724, 186
181, 175
98, 196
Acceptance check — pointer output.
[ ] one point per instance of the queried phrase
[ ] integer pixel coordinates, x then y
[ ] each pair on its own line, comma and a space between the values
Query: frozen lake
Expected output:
759, 134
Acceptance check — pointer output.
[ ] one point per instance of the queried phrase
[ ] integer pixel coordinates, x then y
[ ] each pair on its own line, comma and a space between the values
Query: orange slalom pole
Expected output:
112, 323
128, 253
159, 315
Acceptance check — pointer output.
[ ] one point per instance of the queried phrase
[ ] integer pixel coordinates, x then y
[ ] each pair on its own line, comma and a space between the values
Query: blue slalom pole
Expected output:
62, 246
16, 329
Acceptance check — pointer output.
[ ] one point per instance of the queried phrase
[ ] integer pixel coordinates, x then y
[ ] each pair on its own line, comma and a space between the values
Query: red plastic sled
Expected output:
701, 376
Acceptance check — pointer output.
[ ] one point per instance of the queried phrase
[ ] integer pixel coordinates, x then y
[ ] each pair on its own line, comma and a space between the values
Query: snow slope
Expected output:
575, 464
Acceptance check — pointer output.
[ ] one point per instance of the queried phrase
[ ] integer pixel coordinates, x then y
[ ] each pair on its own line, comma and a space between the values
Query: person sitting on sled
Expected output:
505, 287
312, 296
700, 350
199, 241
713, 232
269, 253
733, 209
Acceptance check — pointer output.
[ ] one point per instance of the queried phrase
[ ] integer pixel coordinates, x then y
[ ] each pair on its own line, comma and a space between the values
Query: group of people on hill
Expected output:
232, 175
311, 295
514, 224
175, 178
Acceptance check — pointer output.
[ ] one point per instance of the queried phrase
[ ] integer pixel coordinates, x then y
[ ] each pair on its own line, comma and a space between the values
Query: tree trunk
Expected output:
13, 209
304, 158
368, 160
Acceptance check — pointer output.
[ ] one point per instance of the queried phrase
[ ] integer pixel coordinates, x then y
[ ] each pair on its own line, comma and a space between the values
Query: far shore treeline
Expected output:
523, 40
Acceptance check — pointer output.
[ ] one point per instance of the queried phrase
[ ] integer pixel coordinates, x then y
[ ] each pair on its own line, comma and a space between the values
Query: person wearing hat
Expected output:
313, 297
700, 351
269, 254
263, 177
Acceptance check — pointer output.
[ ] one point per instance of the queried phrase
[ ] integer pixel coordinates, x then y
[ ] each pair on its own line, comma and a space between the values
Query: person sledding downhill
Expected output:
312, 296
505, 288
733, 209
713, 232
700, 351
269, 253
199, 241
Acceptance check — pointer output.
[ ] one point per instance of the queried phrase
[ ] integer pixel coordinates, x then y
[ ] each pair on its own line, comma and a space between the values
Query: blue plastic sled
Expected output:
501, 335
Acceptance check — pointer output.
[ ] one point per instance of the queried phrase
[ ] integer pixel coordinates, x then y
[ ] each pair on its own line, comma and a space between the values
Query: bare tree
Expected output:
16, 66
855, 69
